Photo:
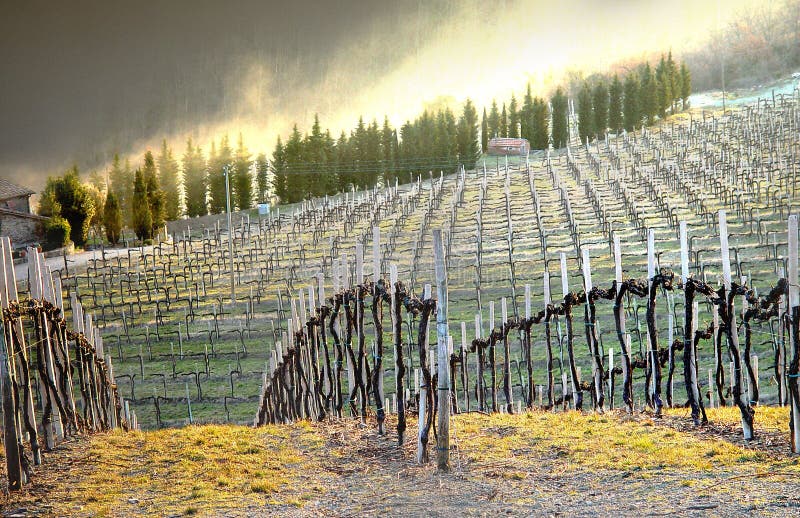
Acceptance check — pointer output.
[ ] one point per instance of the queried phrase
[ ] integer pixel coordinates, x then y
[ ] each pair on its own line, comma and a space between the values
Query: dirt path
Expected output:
533, 464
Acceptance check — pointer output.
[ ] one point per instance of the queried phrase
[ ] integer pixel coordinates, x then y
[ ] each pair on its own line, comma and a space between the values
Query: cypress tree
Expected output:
217, 160
169, 177
540, 137
468, 150
674, 82
279, 180
262, 177
686, 85
615, 105
484, 132
631, 111
194, 175
155, 195
121, 180
295, 174
585, 113
112, 218
494, 121
649, 95
600, 105
242, 178
526, 116
343, 162
560, 124
142, 219
388, 150
513, 118
373, 155
330, 177
504, 122
663, 88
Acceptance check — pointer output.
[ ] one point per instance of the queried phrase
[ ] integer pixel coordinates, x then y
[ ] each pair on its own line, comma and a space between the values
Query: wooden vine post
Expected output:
442, 333
10, 438
733, 335
690, 373
794, 336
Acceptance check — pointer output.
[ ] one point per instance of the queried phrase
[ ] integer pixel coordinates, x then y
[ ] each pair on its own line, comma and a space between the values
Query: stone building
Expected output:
16, 219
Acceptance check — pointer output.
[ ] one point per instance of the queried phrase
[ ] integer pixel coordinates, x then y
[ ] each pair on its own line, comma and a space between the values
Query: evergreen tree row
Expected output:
317, 164
645, 95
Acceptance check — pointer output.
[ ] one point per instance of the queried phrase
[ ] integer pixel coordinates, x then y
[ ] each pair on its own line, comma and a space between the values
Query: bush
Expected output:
56, 233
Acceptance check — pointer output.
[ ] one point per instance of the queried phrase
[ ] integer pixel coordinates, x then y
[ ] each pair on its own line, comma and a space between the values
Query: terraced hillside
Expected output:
183, 350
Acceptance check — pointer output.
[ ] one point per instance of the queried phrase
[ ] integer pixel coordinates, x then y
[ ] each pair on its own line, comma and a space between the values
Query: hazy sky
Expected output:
81, 79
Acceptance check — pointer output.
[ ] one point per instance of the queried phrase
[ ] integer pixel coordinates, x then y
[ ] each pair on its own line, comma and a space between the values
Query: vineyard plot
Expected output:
179, 343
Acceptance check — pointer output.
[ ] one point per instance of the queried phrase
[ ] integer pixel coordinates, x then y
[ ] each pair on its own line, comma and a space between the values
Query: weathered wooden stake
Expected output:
442, 333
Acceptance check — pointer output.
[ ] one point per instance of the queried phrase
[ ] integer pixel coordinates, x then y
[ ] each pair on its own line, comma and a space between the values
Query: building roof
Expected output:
503, 141
16, 214
12, 190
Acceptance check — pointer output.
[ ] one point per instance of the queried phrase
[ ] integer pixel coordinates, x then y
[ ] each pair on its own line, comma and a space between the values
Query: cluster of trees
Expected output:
529, 121
645, 95
372, 154
315, 164
759, 44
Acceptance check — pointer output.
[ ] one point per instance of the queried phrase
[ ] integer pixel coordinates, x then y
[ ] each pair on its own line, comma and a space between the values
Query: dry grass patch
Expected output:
187, 471
612, 441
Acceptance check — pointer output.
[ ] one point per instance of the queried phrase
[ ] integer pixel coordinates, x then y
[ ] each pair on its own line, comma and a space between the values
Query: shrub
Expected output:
56, 233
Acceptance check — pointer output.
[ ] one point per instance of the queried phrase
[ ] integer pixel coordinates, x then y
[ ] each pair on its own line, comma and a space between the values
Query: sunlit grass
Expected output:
597, 441
191, 470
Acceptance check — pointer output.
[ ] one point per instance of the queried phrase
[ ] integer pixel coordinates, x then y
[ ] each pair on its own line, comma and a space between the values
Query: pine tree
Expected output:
262, 177
600, 105
169, 177
540, 137
585, 113
631, 111
560, 124
484, 132
686, 85
513, 118
279, 180
242, 179
195, 181
615, 105
142, 219
112, 218
468, 150
155, 195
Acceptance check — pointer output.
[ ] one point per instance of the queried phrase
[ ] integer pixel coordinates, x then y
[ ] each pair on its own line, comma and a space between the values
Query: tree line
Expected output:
314, 164
644, 96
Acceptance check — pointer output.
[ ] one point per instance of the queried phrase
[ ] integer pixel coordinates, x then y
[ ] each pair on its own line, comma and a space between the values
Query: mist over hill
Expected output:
83, 80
